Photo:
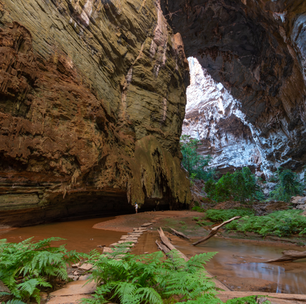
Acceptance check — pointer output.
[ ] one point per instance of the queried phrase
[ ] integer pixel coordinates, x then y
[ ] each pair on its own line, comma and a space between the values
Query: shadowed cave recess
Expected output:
93, 96
253, 52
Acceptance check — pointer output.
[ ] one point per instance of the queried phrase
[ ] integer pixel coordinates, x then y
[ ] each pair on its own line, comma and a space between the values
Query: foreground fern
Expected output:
129, 279
25, 267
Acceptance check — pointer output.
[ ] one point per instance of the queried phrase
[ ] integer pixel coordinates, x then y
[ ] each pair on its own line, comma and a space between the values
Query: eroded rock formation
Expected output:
92, 98
92, 101
256, 50
213, 117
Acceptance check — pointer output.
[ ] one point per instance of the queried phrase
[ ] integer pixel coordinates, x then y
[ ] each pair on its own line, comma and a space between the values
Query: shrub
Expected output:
288, 185
223, 215
280, 223
26, 267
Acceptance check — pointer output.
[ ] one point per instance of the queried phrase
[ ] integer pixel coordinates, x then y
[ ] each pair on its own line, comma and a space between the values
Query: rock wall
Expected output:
256, 50
92, 101
213, 117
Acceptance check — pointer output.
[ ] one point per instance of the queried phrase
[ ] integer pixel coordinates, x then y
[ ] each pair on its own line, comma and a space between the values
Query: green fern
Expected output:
15, 301
36, 263
150, 278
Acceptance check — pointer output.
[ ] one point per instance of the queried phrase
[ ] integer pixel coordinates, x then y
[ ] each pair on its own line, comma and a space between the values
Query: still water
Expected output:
79, 235
240, 265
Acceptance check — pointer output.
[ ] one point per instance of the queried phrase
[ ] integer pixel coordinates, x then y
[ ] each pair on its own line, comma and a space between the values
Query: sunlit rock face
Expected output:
213, 117
256, 50
92, 100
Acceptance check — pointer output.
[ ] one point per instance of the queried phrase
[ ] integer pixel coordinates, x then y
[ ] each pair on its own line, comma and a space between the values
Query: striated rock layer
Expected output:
92, 101
256, 50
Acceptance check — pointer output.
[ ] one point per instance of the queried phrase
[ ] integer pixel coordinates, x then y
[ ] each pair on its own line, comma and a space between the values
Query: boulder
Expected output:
298, 202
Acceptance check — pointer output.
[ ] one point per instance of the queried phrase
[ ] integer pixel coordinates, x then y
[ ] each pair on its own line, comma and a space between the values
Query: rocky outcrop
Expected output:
298, 202
92, 100
213, 117
256, 50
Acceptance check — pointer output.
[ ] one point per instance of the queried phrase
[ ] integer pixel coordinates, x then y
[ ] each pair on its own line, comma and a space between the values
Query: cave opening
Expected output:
253, 52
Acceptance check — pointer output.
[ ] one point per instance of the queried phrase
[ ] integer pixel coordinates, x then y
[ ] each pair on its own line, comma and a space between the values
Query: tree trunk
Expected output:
167, 243
289, 256
180, 234
214, 230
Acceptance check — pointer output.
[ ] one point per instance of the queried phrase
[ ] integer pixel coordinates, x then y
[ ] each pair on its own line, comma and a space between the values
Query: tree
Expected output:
193, 162
240, 185
288, 185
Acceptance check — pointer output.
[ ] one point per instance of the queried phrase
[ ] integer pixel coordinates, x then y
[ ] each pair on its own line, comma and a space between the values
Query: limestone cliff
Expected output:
256, 51
213, 117
92, 101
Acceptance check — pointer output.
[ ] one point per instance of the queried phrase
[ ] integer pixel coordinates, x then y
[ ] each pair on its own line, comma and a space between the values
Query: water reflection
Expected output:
241, 263
286, 281
79, 234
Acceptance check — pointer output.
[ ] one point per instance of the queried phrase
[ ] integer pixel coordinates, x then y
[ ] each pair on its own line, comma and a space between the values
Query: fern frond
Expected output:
15, 301
45, 244
200, 259
148, 295
3, 293
29, 286
126, 292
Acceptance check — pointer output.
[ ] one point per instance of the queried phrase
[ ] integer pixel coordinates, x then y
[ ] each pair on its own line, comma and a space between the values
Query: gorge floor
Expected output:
239, 264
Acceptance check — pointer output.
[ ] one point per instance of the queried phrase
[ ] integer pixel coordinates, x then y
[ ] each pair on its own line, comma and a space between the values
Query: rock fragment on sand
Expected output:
75, 265
107, 250
75, 288
68, 299
146, 224
86, 266
73, 277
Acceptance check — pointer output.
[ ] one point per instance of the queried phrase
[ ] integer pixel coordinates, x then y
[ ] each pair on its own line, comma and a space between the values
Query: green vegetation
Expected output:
193, 162
247, 300
201, 222
27, 267
280, 223
223, 215
240, 186
125, 278
288, 185
198, 209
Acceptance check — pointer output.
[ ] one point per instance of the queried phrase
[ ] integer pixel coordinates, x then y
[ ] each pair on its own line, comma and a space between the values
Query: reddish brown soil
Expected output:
126, 223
